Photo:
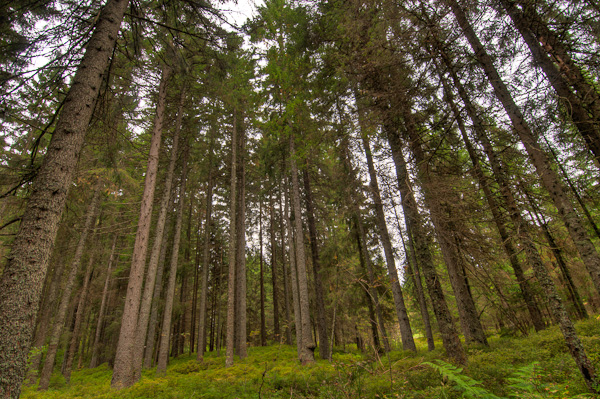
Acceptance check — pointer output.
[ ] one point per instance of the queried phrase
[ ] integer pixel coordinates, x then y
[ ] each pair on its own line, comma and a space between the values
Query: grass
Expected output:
537, 366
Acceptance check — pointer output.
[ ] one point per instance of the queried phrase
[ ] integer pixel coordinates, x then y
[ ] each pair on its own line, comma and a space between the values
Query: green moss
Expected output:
276, 373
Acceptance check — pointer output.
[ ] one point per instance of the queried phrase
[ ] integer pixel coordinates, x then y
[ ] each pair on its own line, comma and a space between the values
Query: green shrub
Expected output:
191, 366
537, 366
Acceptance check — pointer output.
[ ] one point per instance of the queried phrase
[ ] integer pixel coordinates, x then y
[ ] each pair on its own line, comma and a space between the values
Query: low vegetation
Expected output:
537, 366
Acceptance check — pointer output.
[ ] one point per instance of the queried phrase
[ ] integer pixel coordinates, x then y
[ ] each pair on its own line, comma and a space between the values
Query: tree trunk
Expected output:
206, 253
240, 253
263, 326
163, 353
101, 312
415, 275
538, 157
442, 313
507, 199
59, 320
45, 316
75, 336
182, 318
85, 345
283, 212
408, 342
526, 23
294, 279
123, 371
365, 260
149, 351
468, 314
551, 182
308, 345
197, 276
218, 322
146, 301
571, 287
314, 247
276, 328
25, 269
230, 339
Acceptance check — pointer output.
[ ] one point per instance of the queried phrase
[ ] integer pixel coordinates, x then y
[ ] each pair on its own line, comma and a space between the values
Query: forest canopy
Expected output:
395, 175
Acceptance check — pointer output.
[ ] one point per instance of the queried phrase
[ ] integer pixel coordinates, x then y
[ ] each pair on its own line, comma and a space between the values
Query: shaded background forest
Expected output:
386, 174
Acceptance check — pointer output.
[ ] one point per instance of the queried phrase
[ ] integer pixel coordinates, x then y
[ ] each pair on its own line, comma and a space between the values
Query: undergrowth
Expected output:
537, 366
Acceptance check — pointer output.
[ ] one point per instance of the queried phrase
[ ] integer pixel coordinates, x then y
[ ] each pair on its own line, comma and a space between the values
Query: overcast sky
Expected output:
237, 12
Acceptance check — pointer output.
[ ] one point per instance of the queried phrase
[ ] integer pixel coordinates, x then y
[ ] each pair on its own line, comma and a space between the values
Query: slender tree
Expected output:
61, 314
445, 323
274, 281
101, 312
146, 301
580, 99
123, 372
240, 254
79, 314
263, 324
231, 280
316, 263
548, 177
206, 252
163, 352
495, 204
308, 346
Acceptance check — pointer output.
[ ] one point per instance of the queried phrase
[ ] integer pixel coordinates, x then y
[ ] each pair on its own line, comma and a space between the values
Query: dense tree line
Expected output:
330, 173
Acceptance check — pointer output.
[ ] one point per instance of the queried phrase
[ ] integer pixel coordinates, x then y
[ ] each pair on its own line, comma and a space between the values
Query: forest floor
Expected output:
537, 366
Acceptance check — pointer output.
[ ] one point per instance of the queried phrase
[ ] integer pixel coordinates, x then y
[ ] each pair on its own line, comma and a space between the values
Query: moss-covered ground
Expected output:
537, 366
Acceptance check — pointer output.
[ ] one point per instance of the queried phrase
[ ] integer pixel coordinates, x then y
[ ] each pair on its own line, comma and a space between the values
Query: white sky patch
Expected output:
238, 12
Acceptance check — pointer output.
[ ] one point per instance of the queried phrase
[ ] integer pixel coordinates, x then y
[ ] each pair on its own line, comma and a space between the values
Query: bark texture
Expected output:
408, 342
240, 253
123, 373
263, 324
24, 272
163, 352
146, 304
308, 345
205, 256
230, 338
442, 313
316, 263
294, 279
276, 328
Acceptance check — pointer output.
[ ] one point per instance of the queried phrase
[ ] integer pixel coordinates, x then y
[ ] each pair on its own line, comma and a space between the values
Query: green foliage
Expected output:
509, 368
469, 387
526, 382
36, 351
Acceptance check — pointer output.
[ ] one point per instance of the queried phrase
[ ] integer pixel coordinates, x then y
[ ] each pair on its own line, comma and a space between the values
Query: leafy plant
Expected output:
470, 387
526, 382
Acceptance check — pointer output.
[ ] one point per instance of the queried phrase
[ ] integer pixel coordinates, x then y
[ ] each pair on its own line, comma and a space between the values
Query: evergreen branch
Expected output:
169, 27
18, 219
